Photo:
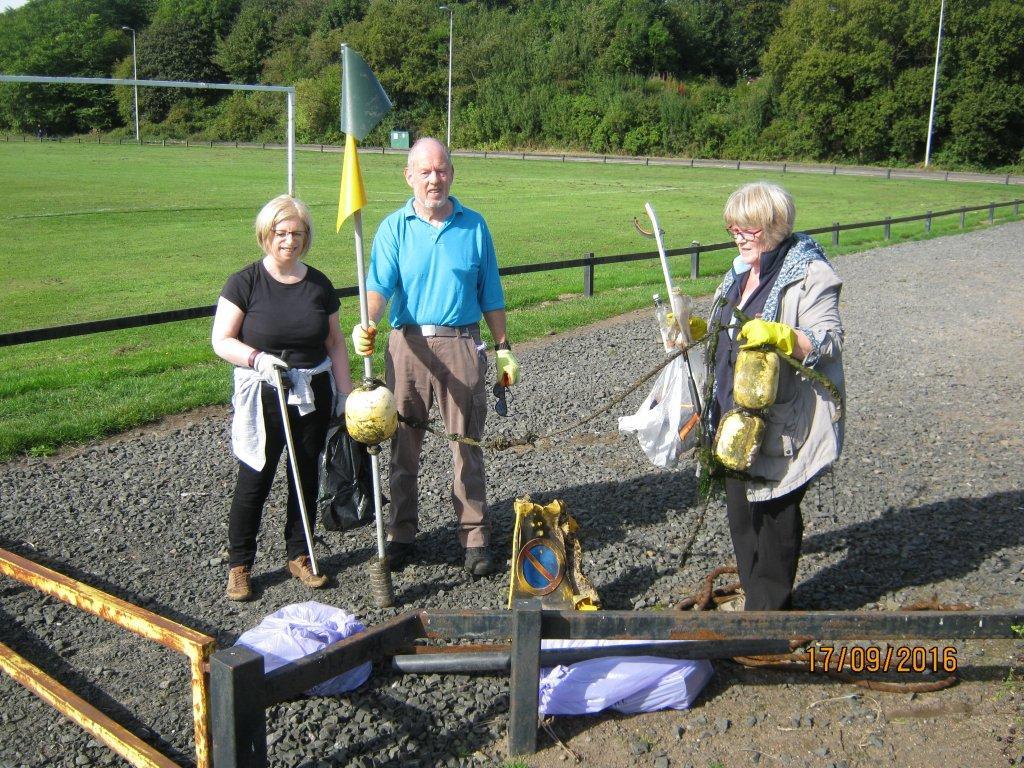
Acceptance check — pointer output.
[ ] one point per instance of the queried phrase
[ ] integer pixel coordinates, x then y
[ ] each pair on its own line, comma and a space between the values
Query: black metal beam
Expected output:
237, 716
723, 625
471, 625
821, 625
525, 675
291, 680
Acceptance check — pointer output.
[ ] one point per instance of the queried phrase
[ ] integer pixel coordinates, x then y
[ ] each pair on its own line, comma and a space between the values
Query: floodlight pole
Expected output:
135, 76
291, 142
451, 51
935, 85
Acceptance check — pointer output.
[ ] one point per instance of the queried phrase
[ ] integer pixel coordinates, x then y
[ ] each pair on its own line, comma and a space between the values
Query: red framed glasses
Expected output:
746, 235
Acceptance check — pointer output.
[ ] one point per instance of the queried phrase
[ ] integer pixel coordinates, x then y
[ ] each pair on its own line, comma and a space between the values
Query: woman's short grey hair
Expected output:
282, 208
762, 205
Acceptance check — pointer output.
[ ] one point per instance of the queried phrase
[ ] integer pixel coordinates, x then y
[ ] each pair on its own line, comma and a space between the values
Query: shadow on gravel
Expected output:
912, 547
26, 643
112, 588
405, 731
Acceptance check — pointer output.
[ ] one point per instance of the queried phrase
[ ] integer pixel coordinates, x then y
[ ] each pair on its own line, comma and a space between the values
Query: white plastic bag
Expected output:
666, 412
627, 684
300, 629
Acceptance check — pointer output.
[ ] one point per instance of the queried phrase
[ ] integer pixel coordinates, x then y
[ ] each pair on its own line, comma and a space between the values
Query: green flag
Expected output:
363, 101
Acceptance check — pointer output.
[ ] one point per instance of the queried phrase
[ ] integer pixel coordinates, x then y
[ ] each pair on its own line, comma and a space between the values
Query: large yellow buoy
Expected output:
738, 439
371, 416
756, 379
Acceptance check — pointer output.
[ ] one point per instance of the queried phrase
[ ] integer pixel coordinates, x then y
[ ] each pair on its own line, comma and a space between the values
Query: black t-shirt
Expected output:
283, 318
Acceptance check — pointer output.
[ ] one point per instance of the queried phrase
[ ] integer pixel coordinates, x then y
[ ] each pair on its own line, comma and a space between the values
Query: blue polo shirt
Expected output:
444, 275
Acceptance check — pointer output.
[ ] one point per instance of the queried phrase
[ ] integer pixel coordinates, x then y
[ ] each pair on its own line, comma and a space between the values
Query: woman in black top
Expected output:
279, 313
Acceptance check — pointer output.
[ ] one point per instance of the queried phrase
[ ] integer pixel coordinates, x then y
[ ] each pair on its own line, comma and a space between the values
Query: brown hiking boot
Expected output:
239, 583
301, 570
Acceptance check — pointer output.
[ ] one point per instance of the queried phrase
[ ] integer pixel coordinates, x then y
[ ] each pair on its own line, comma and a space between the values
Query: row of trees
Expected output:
846, 80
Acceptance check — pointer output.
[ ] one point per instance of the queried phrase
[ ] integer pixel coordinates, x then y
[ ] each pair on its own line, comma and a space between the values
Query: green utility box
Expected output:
399, 139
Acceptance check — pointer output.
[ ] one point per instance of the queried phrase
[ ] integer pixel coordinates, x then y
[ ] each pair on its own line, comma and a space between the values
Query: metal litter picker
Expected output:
293, 462
691, 382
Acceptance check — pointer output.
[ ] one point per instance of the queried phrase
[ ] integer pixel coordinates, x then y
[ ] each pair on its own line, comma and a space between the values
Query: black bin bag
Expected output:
345, 498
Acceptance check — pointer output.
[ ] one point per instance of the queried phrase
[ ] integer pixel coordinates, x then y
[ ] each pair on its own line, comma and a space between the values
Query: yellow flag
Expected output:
353, 194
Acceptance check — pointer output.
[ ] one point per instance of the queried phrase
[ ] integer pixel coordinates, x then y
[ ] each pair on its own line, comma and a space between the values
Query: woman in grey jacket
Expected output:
786, 284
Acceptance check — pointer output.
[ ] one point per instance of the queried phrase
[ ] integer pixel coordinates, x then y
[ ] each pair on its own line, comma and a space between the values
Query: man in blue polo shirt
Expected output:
434, 261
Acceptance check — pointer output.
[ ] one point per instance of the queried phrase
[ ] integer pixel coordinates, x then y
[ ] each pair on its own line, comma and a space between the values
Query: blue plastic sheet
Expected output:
300, 629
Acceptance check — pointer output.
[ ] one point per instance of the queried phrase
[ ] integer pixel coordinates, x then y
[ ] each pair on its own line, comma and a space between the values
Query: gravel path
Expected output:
926, 501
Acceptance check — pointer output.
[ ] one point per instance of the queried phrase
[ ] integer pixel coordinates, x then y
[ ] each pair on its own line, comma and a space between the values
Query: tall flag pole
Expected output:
363, 104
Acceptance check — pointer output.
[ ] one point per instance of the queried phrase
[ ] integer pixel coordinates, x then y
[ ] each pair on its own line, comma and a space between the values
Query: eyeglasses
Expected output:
746, 235
503, 397
298, 234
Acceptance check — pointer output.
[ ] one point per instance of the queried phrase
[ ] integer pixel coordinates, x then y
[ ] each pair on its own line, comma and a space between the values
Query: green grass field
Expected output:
96, 232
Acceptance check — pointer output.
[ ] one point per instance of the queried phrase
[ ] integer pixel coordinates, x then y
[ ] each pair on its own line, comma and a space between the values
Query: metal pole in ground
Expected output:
291, 142
935, 85
135, 76
380, 571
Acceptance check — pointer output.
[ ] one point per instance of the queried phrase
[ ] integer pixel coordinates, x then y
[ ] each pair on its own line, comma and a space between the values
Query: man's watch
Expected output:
503, 345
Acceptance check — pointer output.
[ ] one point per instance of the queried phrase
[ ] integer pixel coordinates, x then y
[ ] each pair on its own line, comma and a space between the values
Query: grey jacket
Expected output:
801, 436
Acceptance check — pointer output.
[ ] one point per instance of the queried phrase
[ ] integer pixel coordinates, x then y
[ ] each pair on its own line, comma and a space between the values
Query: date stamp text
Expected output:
873, 658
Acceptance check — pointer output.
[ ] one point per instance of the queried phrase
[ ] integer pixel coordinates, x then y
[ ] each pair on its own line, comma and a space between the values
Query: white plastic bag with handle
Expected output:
666, 423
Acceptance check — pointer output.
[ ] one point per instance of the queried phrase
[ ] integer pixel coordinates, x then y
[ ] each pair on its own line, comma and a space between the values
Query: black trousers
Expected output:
252, 487
766, 537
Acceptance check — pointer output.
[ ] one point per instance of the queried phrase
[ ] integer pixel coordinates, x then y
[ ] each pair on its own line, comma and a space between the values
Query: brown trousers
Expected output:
450, 371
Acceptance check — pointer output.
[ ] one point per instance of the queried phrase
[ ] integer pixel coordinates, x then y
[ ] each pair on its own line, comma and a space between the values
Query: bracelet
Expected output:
503, 345
252, 357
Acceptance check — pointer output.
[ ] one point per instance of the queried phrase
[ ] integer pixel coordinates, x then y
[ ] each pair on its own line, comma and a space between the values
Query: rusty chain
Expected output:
710, 597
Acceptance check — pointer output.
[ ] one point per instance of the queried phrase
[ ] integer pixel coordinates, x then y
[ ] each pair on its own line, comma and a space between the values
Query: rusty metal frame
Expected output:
194, 645
241, 691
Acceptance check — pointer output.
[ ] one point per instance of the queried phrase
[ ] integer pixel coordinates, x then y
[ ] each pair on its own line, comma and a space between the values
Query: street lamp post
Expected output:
935, 86
451, 48
135, 76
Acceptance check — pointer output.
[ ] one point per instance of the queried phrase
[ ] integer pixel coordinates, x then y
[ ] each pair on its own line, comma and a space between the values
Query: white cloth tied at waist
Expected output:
248, 430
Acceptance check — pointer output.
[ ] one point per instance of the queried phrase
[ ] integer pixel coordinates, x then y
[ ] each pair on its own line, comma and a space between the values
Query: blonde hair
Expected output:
282, 208
762, 205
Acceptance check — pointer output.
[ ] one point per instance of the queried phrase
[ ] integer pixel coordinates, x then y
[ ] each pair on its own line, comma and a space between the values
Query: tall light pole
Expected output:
451, 49
935, 85
135, 76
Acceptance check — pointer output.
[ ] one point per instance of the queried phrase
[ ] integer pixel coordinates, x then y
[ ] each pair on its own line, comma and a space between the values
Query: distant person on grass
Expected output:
786, 284
434, 261
275, 305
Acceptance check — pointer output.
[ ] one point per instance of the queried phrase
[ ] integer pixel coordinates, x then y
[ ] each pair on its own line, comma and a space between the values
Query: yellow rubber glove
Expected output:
761, 332
363, 338
698, 327
508, 368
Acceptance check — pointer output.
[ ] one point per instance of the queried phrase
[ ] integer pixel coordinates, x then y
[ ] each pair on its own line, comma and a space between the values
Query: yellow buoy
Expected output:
371, 416
738, 439
756, 380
